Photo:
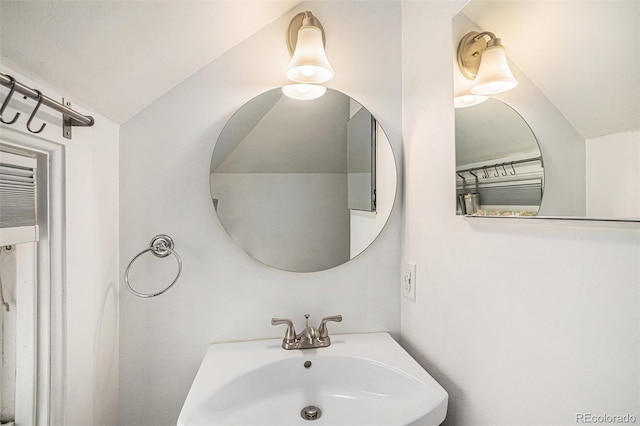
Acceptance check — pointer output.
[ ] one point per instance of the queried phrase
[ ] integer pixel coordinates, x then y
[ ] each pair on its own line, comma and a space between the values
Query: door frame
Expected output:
49, 345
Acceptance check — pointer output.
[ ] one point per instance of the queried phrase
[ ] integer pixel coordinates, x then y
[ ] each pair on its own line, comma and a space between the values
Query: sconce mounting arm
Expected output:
470, 51
295, 25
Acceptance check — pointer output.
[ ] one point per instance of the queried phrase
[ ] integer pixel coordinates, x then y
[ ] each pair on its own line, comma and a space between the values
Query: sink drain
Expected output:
311, 412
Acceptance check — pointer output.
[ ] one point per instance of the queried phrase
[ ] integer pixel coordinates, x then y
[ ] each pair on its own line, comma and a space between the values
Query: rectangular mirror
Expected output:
361, 160
578, 68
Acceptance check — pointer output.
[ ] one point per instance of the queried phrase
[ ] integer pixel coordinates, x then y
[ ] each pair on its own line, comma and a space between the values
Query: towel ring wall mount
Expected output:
160, 246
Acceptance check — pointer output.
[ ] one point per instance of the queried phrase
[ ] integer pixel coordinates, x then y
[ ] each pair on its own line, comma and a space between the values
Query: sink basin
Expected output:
361, 379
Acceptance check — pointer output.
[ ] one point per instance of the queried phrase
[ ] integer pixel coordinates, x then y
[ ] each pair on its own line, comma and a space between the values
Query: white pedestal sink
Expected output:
361, 379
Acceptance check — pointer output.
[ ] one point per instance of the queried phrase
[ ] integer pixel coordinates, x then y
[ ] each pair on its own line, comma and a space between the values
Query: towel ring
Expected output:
160, 246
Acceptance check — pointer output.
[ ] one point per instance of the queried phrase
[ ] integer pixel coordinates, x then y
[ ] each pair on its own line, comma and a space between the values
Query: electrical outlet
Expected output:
408, 281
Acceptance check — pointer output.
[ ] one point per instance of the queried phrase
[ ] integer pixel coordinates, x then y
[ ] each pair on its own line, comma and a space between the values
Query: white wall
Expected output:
224, 294
90, 258
92, 274
522, 323
365, 226
292, 221
613, 175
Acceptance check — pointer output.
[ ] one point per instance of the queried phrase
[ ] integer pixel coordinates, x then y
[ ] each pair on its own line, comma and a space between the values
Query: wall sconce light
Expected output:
485, 63
309, 64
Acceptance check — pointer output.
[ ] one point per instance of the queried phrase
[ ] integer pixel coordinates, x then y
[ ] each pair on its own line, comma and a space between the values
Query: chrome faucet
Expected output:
310, 337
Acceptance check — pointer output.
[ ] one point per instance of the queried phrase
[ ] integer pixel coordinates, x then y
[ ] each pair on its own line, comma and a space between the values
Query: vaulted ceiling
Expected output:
116, 57
583, 55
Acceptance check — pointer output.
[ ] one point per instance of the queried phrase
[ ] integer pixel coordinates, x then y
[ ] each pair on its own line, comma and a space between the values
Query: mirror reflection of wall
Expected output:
280, 180
584, 109
361, 159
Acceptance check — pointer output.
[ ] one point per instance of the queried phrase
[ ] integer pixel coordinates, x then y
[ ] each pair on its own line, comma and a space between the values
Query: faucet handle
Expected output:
322, 330
291, 331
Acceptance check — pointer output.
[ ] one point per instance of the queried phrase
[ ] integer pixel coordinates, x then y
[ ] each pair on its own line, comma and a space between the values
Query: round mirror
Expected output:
499, 165
303, 185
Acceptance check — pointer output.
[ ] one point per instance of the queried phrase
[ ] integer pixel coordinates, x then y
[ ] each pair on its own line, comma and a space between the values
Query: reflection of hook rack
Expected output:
485, 173
464, 182
475, 176
161, 246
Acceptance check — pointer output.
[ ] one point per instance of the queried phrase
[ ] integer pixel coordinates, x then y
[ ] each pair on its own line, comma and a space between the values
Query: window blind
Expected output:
17, 190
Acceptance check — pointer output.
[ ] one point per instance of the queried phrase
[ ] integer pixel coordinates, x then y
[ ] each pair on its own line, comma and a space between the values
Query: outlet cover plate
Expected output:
408, 280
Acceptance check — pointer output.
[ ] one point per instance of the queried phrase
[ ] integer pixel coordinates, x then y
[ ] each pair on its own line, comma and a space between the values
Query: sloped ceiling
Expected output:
289, 136
583, 55
116, 57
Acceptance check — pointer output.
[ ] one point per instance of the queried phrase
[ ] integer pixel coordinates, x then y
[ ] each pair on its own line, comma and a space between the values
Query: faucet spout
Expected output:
308, 338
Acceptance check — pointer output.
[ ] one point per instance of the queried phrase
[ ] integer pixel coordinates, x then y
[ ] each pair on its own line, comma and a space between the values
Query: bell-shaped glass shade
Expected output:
494, 75
304, 91
309, 63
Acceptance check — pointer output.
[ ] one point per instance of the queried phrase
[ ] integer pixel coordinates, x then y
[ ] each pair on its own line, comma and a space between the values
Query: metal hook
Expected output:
464, 182
514, 170
485, 173
6, 102
496, 174
33, 114
475, 176
504, 171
